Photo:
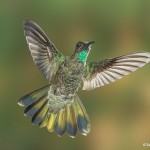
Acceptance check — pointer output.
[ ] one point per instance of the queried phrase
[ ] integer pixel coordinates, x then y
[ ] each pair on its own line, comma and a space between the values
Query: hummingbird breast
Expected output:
68, 78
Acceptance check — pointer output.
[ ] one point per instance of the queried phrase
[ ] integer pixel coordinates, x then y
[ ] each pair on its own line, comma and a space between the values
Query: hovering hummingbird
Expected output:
57, 106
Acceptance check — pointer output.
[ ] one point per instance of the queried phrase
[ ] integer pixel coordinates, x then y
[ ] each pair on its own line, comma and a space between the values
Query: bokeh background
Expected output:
119, 112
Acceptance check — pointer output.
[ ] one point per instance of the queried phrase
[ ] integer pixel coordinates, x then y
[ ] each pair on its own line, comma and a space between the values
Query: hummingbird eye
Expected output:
78, 45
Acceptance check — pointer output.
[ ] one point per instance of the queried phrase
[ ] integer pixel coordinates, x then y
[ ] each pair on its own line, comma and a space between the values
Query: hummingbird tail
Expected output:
35, 104
82, 118
71, 118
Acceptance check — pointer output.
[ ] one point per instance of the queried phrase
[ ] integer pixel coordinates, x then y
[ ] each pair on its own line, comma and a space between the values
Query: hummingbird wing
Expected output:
98, 74
45, 55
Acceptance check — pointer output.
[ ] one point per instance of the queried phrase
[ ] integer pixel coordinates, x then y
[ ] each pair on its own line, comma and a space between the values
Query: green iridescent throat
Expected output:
82, 56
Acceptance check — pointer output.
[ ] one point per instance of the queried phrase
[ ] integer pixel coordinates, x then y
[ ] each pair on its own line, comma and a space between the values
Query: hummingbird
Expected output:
57, 105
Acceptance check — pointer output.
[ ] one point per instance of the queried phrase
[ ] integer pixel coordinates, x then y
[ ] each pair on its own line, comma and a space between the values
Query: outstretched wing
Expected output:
45, 55
98, 74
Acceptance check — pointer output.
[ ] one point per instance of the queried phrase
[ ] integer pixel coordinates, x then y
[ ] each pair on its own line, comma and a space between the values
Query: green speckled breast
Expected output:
68, 78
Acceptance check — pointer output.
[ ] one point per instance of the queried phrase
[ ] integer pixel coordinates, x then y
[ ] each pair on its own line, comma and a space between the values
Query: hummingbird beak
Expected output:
90, 43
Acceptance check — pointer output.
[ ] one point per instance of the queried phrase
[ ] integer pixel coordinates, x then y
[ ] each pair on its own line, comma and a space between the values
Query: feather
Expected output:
32, 97
33, 108
51, 121
60, 125
43, 51
109, 70
71, 121
40, 114
82, 117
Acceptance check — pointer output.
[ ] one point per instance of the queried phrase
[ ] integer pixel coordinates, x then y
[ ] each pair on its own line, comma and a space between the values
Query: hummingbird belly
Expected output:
68, 79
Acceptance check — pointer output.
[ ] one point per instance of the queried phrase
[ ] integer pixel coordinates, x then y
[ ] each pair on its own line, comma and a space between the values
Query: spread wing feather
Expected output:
98, 74
45, 55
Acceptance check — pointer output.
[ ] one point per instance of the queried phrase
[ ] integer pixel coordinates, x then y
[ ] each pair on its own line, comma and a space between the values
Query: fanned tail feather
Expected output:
82, 117
36, 104
33, 96
71, 118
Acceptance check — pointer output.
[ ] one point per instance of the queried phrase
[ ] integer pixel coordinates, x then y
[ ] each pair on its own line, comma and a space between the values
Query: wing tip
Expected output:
27, 22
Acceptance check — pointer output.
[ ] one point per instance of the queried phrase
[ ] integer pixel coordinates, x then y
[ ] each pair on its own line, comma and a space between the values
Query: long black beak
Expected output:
89, 43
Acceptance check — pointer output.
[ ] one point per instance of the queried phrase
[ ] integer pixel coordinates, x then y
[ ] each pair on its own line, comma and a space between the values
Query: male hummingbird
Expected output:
57, 106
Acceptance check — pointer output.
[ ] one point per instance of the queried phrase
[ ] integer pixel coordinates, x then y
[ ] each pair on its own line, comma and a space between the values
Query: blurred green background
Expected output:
119, 112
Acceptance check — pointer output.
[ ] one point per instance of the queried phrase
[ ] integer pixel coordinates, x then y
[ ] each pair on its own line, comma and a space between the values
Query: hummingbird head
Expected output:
82, 50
